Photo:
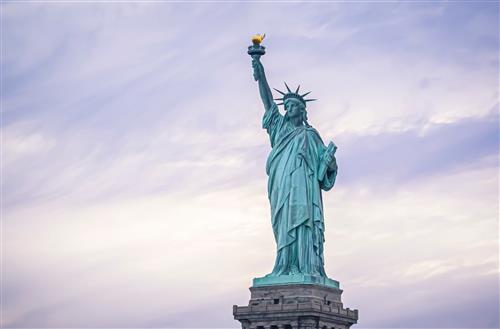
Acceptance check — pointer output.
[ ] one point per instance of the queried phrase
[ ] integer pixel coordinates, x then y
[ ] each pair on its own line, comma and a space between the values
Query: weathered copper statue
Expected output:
299, 167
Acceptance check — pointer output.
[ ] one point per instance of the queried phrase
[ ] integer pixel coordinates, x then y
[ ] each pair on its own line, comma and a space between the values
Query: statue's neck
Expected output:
296, 122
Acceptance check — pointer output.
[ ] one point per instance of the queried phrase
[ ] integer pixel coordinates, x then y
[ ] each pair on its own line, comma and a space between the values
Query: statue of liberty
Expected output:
299, 167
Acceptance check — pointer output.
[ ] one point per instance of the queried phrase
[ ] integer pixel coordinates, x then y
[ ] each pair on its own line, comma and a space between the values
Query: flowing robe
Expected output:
294, 191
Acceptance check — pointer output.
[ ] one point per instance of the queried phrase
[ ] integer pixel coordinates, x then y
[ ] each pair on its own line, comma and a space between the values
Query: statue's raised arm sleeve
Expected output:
272, 122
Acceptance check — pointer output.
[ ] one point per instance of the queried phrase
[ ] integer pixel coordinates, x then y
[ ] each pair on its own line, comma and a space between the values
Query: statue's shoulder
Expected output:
314, 132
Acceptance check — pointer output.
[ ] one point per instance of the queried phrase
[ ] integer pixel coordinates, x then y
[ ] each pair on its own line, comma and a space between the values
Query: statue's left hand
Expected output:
331, 161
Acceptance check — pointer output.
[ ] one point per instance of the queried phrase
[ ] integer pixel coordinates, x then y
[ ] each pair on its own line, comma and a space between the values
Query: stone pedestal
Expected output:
295, 306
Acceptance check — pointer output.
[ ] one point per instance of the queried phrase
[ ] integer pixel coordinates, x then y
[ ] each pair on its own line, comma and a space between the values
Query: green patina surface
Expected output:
297, 278
299, 167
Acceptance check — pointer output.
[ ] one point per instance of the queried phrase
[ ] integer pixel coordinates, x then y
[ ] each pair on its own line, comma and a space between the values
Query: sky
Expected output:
133, 158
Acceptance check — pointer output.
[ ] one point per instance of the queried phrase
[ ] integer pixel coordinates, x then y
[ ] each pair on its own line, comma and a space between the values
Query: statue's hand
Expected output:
257, 69
331, 161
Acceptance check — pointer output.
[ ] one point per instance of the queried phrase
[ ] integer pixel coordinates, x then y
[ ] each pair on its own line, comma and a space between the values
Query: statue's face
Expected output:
293, 108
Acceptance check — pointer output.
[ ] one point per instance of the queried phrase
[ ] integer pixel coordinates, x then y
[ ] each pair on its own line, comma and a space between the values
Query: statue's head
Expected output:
295, 108
295, 104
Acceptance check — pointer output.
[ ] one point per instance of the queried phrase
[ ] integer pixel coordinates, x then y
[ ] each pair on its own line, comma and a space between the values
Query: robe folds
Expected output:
294, 192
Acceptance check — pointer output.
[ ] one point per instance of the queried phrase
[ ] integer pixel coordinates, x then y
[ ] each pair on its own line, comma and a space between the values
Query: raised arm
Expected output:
260, 76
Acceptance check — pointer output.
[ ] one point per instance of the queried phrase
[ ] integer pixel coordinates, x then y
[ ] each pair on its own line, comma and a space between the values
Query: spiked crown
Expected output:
294, 95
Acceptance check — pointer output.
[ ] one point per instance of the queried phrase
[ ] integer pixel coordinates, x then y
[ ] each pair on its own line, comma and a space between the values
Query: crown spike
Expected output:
292, 95
282, 93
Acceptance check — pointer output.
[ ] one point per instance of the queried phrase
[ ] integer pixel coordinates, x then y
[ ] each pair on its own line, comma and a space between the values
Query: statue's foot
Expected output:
316, 273
294, 270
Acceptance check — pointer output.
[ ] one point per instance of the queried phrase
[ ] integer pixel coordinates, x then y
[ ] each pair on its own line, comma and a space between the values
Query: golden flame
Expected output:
257, 39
